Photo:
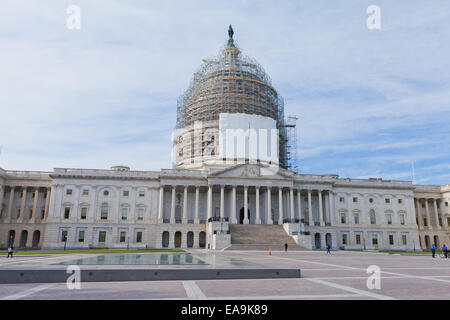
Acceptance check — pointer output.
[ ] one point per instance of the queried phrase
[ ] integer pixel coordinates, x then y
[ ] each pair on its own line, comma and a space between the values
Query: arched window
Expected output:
373, 219
106, 193
104, 211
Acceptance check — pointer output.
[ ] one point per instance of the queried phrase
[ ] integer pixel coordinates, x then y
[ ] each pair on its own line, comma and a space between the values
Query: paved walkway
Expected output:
339, 276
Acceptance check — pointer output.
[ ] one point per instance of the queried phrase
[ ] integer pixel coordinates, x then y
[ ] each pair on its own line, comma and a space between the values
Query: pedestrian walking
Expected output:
10, 251
285, 247
328, 249
445, 251
433, 250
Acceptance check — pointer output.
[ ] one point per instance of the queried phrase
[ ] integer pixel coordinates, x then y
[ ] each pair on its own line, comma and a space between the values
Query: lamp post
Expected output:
128, 242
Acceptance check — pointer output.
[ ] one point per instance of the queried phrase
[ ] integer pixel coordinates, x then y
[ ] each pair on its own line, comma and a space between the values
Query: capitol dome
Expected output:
230, 91
230, 83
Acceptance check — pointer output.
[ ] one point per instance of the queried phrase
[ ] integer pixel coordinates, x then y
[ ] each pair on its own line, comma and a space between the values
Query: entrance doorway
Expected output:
241, 215
328, 240
178, 239
36, 238
317, 241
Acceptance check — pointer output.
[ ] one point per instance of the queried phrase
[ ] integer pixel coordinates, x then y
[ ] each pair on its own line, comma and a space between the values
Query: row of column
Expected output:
427, 212
22, 205
246, 220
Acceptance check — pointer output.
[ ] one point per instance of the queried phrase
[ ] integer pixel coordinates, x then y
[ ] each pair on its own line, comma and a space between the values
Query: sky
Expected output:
369, 102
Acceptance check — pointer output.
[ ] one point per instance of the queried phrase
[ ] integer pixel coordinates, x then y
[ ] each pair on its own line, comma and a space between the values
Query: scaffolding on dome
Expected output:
232, 83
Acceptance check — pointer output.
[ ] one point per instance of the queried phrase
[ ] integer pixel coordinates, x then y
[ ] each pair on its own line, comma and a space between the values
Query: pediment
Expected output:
253, 171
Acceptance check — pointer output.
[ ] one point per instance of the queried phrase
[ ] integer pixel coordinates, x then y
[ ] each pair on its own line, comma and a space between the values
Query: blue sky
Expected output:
369, 102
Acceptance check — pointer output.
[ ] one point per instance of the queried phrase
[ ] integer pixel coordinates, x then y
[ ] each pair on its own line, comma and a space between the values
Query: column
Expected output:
363, 215
349, 209
269, 206
330, 198
33, 214
209, 209
444, 217
196, 218
22, 205
311, 221
2, 190
233, 205
222, 201
160, 205
185, 195
246, 205
280, 205
47, 202
436, 213
11, 200
419, 214
258, 217
172, 206
291, 196
428, 215
299, 203
322, 223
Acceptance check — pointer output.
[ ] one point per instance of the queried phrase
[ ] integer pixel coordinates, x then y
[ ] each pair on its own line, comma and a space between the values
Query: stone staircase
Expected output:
260, 237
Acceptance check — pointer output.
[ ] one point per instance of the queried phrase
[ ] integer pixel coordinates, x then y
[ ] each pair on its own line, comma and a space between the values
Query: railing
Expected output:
106, 173
218, 219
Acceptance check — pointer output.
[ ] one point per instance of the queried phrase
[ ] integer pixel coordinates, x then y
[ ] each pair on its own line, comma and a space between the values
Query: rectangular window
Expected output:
355, 199
124, 213
391, 239
373, 219
69, 191
400, 201
358, 239
141, 193
104, 212
389, 218
375, 239
425, 222
446, 204
356, 218
387, 200
66, 212
123, 236
341, 199
126, 193
140, 214
343, 218
344, 238
64, 236
81, 236
83, 213
85, 192
102, 236
139, 237
404, 241
402, 219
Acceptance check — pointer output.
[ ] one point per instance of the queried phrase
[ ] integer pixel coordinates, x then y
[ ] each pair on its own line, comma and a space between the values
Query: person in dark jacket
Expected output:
445, 251
433, 250
285, 247
10, 251
328, 249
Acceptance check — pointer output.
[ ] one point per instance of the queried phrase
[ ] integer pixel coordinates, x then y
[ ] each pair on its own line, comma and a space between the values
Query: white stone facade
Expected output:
120, 209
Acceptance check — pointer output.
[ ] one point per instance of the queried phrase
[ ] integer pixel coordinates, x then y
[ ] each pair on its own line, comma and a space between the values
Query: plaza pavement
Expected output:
339, 276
